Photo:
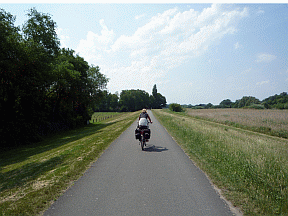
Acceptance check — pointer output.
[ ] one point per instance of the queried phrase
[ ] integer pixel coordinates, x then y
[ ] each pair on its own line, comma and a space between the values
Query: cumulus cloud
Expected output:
265, 57
262, 83
94, 45
168, 40
61, 33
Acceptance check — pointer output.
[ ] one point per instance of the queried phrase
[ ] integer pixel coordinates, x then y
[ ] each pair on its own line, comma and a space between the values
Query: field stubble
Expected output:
271, 122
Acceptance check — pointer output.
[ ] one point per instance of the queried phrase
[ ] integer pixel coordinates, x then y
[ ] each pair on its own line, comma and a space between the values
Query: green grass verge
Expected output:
32, 177
251, 169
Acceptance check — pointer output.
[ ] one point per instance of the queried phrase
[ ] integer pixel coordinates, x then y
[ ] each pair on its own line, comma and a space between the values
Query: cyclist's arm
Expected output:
149, 119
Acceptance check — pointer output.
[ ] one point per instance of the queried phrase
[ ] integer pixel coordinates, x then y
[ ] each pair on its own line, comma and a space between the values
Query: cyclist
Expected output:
145, 115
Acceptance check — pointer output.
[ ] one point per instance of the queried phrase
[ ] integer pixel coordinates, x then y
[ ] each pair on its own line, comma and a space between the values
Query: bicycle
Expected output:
143, 134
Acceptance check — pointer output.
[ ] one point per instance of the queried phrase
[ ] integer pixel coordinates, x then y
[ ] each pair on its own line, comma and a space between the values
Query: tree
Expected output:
226, 103
157, 101
42, 85
26, 69
41, 29
133, 100
160, 101
154, 91
276, 101
77, 88
175, 107
246, 101
109, 103
208, 106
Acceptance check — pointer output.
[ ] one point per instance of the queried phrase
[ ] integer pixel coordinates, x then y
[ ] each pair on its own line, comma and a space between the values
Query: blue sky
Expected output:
194, 53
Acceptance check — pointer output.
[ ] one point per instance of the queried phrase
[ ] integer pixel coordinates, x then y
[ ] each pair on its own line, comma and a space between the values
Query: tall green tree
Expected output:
277, 101
154, 91
42, 85
11, 49
76, 89
226, 103
246, 101
109, 103
133, 100
41, 29
26, 76
158, 100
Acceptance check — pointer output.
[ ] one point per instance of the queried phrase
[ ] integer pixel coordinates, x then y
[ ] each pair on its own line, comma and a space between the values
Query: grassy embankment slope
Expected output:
33, 176
250, 168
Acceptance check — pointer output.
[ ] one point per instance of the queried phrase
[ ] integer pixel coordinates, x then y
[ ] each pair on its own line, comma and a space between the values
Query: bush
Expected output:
256, 106
175, 107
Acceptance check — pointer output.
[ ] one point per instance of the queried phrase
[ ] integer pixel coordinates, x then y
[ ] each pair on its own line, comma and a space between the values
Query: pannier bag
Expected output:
147, 133
137, 134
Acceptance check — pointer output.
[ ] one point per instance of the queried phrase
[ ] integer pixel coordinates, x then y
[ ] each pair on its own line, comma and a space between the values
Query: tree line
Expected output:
130, 100
43, 88
273, 102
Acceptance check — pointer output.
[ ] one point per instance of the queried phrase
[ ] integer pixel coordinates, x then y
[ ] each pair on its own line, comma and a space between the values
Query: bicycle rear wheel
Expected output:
142, 142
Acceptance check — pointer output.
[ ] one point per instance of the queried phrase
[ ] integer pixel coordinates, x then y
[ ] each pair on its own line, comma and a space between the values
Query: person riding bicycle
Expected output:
145, 115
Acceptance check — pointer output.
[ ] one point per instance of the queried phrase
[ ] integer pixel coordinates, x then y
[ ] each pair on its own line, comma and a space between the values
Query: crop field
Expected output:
249, 168
271, 122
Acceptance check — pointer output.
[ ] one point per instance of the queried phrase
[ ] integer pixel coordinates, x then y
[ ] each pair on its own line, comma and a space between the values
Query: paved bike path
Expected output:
125, 180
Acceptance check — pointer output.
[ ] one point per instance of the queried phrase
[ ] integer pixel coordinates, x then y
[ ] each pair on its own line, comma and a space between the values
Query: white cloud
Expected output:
262, 83
61, 33
168, 40
237, 45
140, 16
94, 45
264, 57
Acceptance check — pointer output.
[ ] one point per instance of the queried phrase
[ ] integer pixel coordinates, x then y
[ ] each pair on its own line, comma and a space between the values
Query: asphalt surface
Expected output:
125, 180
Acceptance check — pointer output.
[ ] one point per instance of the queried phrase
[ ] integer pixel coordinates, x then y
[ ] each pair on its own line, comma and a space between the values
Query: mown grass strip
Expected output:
251, 169
33, 176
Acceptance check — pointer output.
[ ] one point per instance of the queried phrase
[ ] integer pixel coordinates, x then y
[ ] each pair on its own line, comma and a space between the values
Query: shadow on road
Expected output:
153, 148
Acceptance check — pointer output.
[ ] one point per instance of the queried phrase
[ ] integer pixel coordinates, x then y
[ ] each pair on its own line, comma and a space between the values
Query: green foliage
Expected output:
246, 101
43, 88
130, 100
108, 103
41, 29
154, 91
175, 107
226, 103
157, 100
133, 100
256, 106
277, 101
